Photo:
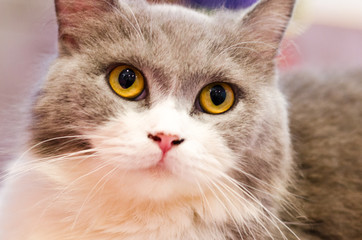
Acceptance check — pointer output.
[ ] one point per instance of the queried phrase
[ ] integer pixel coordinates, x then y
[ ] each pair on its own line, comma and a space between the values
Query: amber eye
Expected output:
216, 98
127, 81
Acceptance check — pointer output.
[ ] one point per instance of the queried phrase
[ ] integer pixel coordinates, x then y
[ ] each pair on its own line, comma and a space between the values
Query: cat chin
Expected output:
169, 179
156, 184
163, 182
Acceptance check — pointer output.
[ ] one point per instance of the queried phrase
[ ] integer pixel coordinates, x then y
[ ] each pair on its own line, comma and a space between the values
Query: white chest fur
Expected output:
31, 209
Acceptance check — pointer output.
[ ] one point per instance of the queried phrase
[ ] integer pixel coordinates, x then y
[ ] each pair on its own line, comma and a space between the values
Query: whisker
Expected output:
225, 208
261, 205
237, 195
258, 179
238, 45
54, 199
23, 168
206, 201
134, 17
89, 196
239, 186
138, 31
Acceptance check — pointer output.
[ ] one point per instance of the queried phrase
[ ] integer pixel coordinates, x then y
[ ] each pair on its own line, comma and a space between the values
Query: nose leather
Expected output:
166, 141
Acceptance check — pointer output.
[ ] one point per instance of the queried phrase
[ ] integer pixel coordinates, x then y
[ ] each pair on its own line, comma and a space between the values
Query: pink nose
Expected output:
165, 141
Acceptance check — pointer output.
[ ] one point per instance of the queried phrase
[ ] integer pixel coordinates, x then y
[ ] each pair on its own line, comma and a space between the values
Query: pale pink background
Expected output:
28, 45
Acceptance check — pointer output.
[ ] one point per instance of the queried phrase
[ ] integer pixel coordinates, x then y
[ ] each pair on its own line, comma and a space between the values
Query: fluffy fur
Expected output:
325, 113
90, 171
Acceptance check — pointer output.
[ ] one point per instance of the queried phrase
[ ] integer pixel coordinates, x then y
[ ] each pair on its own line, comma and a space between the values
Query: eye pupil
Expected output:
127, 78
217, 94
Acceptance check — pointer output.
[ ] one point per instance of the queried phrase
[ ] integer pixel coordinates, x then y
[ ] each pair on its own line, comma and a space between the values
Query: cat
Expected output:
161, 122
325, 120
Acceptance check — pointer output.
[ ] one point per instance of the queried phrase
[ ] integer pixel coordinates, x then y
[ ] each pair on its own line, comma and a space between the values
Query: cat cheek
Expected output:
196, 162
127, 154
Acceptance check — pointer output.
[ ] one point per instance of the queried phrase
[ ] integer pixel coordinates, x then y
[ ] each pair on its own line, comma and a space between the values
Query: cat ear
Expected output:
72, 13
264, 25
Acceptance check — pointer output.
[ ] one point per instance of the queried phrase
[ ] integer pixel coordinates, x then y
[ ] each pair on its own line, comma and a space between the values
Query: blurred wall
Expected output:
27, 45
325, 35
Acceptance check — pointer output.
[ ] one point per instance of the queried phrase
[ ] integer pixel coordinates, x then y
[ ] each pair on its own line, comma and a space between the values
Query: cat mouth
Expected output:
160, 168
160, 165
158, 171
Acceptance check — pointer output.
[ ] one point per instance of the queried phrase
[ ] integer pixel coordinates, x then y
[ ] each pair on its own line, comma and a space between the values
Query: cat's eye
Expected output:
216, 98
127, 81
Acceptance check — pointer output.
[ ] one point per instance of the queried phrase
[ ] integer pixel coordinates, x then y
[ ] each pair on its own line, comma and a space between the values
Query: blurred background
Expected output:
325, 35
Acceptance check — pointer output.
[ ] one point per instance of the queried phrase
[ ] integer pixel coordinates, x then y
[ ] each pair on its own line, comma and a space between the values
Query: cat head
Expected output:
166, 102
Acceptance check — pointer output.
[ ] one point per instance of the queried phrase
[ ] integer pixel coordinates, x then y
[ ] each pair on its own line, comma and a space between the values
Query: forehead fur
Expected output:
178, 46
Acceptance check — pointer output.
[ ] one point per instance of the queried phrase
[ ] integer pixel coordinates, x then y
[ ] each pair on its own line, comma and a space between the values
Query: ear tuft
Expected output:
266, 24
72, 13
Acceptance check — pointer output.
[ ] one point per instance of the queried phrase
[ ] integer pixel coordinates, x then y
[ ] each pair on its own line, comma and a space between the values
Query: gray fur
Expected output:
180, 51
326, 115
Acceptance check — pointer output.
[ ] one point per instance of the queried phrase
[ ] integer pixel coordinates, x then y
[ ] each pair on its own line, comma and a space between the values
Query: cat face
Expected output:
178, 52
